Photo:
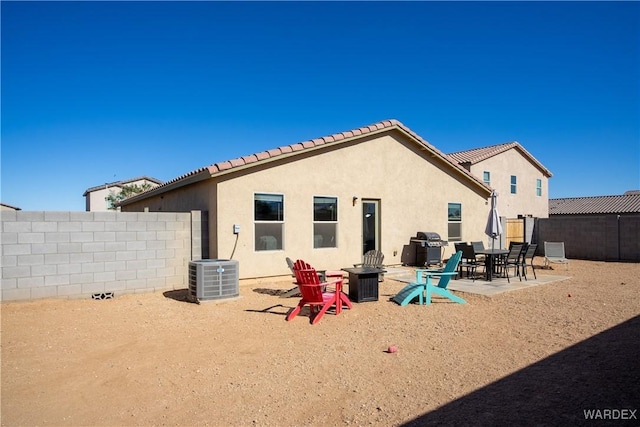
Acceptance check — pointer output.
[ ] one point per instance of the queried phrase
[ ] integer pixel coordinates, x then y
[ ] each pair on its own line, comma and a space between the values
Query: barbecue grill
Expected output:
424, 249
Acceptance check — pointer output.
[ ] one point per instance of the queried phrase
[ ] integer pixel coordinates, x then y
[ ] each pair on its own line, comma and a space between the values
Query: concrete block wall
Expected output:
78, 254
593, 237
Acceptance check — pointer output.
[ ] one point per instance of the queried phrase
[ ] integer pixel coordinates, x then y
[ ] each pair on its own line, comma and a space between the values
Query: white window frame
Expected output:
514, 184
313, 220
257, 222
456, 220
486, 178
539, 187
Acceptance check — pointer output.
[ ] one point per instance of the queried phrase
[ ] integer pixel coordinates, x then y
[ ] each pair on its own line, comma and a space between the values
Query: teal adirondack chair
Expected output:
422, 288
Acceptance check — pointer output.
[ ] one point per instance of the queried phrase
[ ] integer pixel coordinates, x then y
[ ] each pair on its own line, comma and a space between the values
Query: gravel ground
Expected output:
538, 356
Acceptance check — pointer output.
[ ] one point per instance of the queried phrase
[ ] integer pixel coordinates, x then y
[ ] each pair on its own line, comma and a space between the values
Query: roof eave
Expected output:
197, 176
434, 153
443, 159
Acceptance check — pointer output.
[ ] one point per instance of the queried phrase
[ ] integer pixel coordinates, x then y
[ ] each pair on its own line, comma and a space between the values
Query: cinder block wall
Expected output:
593, 237
78, 254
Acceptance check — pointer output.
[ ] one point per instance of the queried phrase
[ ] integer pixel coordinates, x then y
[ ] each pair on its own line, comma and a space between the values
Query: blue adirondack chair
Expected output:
422, 288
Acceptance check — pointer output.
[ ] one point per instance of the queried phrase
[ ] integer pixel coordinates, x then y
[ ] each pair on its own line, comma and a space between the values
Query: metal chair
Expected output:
512, 260
554, 253
529, 255
469, 260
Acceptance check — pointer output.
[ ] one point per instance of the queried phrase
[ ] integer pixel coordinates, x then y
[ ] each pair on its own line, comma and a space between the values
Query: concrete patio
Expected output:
479, 286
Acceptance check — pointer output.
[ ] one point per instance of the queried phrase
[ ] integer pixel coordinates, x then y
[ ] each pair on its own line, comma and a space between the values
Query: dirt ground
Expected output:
538, 356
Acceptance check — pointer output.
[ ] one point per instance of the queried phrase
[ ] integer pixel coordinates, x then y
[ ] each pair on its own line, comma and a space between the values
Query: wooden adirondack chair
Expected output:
422, 289
373, 258
295, 291
315, 295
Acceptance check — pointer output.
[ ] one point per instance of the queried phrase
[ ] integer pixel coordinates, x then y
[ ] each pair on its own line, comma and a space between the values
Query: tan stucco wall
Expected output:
525, 202
413, 192
96, 199
197, 196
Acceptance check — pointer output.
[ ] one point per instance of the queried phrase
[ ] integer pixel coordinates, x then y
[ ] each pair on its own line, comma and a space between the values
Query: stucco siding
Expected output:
525, 202
412, 189
197, 196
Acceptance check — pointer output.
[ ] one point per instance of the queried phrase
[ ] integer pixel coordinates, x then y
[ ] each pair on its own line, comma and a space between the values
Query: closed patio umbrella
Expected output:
494, 227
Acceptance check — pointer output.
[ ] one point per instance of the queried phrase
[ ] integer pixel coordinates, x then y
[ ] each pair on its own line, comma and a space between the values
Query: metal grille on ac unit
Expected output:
213, 279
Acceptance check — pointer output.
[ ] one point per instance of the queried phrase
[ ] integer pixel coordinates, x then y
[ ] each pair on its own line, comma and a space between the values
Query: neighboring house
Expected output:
625, 204
5, 207
96, 197
598, 228
328, 200
521, 181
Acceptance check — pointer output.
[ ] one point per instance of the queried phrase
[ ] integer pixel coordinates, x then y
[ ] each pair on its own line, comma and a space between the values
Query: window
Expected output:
538, 187
486, 177
455, 222
513, 184
325, 222
268, 214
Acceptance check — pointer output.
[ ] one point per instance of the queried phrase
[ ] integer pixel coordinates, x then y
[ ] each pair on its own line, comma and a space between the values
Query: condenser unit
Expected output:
213, 279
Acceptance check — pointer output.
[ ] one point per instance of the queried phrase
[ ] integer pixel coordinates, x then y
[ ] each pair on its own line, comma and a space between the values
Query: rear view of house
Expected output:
327, 200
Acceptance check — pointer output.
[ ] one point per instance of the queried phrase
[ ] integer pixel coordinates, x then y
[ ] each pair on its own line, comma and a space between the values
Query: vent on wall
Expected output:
213, 279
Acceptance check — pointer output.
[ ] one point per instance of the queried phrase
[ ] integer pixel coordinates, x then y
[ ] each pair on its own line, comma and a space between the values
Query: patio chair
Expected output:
529, 255
554, 253
422, 289
295, 291
315, 295
469, 260
478, 246
373, 258
512, 260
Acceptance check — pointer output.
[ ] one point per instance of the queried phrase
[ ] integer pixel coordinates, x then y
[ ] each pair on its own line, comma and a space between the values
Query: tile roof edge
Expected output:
266, 155
493, 150
594, 197
122, 182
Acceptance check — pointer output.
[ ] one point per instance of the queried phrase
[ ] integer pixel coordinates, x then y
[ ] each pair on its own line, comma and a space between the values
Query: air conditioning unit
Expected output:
213, 279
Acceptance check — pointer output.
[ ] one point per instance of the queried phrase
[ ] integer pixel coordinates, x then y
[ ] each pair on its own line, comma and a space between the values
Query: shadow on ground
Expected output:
602, 372
178, 294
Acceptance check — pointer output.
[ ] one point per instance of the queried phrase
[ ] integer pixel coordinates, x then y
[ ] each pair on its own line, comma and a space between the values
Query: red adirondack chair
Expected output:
315, 295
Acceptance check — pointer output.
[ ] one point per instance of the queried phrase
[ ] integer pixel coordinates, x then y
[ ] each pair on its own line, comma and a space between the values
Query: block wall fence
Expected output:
79, 254
593, 237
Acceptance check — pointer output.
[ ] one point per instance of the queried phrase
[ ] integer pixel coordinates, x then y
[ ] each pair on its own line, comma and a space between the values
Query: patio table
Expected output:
490, 254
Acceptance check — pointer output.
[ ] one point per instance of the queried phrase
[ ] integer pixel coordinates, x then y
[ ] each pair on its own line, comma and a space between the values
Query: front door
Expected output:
370, 225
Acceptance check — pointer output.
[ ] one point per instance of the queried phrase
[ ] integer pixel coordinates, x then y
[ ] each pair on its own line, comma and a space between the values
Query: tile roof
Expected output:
292, 149
15, 208
477, 155
626, 203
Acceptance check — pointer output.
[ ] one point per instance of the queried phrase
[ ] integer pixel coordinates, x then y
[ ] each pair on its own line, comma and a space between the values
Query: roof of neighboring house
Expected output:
626, 203
122, 183
293, 149
4, 205
477, 155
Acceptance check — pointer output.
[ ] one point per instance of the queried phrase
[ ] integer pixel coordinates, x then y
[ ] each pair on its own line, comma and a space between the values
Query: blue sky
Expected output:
95, 92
